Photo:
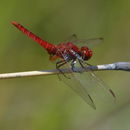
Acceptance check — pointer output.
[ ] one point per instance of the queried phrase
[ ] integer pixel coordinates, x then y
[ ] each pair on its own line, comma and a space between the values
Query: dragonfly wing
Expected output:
102, 84
71, 80
83, 42
97, 87
88, 42
85, 83
71, 38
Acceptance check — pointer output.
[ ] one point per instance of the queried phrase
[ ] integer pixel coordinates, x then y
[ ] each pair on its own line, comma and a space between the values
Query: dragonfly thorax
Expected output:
86, 53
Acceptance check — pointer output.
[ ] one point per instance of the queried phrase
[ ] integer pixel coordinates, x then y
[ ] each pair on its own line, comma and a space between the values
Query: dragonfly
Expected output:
70, 54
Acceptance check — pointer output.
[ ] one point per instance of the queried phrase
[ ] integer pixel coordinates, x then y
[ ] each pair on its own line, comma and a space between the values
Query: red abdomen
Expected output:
48, 46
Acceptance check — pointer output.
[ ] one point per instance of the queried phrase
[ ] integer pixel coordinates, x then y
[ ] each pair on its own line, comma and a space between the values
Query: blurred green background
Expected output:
45, 103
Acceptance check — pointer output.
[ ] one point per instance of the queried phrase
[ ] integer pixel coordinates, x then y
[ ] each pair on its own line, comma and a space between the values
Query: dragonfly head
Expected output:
86, 53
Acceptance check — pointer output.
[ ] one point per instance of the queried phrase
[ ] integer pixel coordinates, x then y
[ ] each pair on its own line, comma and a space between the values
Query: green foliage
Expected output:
45, 102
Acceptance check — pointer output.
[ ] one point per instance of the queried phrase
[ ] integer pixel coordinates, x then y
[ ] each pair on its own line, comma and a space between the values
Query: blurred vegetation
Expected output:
39, 103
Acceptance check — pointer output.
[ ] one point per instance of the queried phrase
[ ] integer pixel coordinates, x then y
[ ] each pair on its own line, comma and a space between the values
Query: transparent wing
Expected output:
72, 38
86, 83
71, 80
96, 86
83, 42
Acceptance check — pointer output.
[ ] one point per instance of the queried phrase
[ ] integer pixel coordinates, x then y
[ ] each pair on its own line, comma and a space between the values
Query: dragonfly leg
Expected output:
80, 62
84, 67
88, 64
60, 64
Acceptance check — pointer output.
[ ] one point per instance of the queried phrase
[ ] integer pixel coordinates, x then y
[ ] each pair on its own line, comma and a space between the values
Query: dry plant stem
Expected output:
125, 66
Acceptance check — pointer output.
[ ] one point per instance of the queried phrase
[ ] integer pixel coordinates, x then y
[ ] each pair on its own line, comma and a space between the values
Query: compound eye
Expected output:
86, 53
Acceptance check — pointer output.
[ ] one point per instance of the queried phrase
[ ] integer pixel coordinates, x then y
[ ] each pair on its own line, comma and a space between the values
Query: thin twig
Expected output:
125, 66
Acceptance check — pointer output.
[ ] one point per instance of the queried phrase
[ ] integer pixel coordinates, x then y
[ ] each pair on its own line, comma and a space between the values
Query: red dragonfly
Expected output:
71, 55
